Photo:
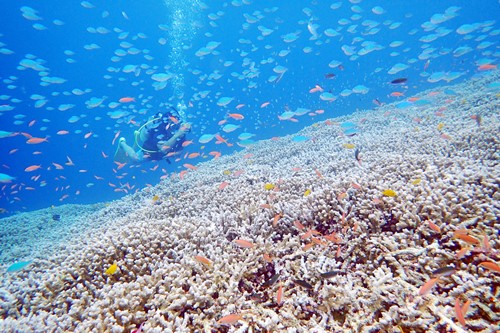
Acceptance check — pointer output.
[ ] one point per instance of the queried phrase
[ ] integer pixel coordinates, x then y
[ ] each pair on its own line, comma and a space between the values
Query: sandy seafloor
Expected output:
384, 252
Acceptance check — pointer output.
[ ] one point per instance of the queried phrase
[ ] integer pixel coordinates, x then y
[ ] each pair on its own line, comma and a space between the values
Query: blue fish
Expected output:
17, 266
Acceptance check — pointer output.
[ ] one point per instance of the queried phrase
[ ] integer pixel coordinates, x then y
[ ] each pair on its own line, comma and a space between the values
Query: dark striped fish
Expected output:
271, 281
444, 271
328, 275
303, 284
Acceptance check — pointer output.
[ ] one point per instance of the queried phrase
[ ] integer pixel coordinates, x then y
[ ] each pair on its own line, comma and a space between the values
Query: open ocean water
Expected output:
65, 66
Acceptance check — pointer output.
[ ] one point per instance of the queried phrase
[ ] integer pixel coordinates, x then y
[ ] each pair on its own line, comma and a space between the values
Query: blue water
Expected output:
243, 64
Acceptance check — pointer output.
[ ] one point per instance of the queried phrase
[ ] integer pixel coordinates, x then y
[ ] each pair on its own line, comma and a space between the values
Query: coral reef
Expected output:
345, 257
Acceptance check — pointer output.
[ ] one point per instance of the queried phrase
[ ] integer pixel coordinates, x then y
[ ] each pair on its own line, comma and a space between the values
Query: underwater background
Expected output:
245, 70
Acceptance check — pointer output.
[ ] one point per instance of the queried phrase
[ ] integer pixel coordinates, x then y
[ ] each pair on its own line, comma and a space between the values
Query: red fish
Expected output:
317, 88
236, 116
126, 99
244, 243
215, 154
223, 185
426, 288
279, 295
487, 67
230, 319
190, 166
34, 141
32, 168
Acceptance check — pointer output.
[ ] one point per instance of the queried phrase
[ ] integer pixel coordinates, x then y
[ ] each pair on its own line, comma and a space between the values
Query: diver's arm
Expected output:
131, 153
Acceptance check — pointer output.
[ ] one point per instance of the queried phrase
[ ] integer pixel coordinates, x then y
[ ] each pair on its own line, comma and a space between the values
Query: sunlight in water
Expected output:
185, 21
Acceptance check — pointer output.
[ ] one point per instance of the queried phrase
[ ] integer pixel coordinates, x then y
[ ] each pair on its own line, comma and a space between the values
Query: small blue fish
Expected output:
17, 266
4, 178
300, 138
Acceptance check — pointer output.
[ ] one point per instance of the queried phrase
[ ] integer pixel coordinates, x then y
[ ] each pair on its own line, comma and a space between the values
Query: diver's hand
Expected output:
185, 128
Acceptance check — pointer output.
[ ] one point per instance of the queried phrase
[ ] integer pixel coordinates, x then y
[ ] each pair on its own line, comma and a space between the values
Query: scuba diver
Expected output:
157, 139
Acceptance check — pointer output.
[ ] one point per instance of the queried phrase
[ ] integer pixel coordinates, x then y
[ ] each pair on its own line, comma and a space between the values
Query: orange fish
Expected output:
239, 106
434, 227
223, 185
220, 139
279, 295
276, 219
307, 246
126, 99
230, 319
426, 65
215, 154
298, 225
491, 266
193, 155
466, 238
397, 94
120, 165
187, 143
70, 162
244, 243
462, 252
487, 67
316, 89
34, 140
190, 166
203, 260
182, 174
88, 135
32, 168
116, 136
236, 116
58, 166
426, 288
459, 313
62, 132
263, 105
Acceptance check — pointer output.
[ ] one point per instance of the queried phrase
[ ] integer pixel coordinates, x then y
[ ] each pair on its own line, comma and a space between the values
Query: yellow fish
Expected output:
416, 181
389, 193
268, 186
349, 145
440, 126
226, 172
111, 269
307, 192
156, 198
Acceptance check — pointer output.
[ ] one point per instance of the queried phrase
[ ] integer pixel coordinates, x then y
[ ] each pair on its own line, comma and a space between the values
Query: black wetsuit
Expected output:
165, 130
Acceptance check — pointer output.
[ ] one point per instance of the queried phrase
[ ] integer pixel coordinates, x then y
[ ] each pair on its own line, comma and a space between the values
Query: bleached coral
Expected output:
365, 278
